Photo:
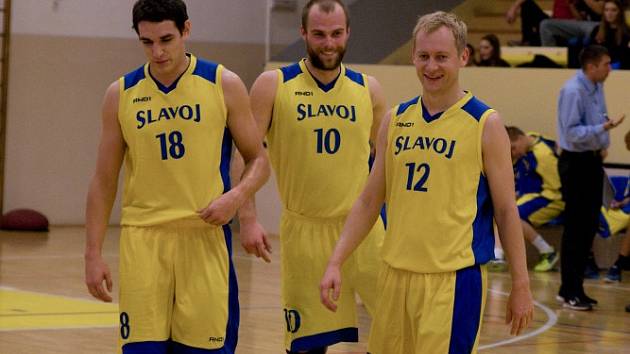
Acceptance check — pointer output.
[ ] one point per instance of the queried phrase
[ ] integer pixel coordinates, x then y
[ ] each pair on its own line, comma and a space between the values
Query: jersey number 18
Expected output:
174, 147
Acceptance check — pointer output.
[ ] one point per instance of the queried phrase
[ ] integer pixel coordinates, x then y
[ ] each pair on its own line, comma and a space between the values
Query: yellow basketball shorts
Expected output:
178, 291
306, 246
433, 313
613, 221
538, 210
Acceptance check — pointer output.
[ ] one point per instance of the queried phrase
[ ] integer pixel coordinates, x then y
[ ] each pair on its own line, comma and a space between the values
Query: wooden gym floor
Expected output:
45, 308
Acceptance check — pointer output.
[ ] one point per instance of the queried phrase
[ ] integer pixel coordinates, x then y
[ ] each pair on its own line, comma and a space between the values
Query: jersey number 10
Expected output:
328, 141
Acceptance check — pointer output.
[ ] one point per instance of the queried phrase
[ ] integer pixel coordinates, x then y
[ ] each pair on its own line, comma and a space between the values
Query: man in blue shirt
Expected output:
583, 126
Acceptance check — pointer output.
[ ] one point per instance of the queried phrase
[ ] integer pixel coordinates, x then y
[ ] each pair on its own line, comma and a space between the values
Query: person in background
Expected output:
623, 260
532, 15
583, 126
490, 52
472, 57
538, 194
614, 34
586, 16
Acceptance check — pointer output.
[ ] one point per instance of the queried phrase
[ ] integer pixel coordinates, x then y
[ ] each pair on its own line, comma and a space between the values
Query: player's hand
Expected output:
220, 211
520, 309
254, 240
331, 283
97, 271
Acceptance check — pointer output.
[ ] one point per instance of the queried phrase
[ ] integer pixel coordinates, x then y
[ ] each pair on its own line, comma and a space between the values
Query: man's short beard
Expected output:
319, 64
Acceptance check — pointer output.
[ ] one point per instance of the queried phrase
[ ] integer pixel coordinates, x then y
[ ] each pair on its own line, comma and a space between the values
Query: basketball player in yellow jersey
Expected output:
319, 118
443, 167
172, 121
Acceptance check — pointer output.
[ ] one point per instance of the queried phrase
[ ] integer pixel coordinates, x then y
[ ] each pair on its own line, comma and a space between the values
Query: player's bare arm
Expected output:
253, 235
362, 217
498, 168
101, 196
379, 107
249, 142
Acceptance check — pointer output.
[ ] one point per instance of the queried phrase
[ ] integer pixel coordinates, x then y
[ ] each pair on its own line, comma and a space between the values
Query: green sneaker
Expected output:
547, 261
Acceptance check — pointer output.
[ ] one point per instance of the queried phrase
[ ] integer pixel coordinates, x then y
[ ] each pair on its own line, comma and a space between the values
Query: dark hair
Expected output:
471, 55
514, 132
158, 11
621, 29
496, 47
592, 54
471, 48
327, 6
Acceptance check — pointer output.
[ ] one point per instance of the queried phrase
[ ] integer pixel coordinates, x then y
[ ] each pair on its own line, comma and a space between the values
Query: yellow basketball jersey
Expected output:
438, 201
319, 140
537, 171
178, 145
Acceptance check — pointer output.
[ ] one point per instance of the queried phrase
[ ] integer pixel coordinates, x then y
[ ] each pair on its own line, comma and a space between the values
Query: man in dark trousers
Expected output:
583, 126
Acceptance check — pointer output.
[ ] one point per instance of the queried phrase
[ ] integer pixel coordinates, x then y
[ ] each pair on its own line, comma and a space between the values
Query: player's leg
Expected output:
306, 244
391, 330
367, 265
206, 311
623, 260
146, 289
498, 263
452, 311
536, 210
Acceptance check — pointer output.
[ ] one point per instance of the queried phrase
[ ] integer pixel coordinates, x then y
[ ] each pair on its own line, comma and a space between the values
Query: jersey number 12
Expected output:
423, 170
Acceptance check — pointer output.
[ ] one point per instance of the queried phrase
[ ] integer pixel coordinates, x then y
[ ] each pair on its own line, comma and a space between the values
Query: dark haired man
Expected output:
172, 121
583, 126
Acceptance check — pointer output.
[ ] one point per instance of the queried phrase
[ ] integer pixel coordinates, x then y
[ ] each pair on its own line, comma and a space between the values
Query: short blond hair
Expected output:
430, 23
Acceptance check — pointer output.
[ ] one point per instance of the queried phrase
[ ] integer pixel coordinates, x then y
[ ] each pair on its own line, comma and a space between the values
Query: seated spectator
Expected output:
531, 15
490, 52
558, 32
614, 34
538, 194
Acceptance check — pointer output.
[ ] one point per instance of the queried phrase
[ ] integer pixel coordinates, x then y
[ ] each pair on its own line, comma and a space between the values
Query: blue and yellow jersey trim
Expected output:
439, 206
318, 140
178, 145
